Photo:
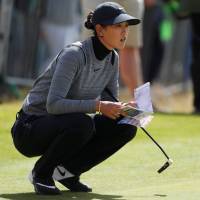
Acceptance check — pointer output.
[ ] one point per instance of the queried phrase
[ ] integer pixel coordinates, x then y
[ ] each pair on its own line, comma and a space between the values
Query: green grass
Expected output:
129, 174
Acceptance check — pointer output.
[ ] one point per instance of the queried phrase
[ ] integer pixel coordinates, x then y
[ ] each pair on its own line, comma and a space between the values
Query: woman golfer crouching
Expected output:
54, 122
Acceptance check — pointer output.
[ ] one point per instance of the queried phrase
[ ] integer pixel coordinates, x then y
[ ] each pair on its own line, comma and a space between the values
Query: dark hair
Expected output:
88, 21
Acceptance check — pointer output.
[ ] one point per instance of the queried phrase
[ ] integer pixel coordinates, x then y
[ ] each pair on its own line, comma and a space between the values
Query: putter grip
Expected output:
164, 167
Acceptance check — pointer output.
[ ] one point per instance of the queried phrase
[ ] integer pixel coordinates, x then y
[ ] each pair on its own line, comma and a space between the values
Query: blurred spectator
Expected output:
153, 47
40, 29
191, 9
60, 26
130, 60
23, 37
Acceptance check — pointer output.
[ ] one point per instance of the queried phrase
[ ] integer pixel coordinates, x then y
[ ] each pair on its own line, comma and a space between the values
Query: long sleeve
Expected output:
67, 68
72, 82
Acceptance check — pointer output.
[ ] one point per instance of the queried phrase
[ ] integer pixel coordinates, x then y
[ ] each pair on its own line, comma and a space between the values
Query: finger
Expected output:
113, 117
123, 114
124, 104
117, 114
133, 103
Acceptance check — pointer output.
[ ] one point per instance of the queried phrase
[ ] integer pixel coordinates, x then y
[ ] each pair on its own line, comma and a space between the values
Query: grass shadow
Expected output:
65, 195
73, 195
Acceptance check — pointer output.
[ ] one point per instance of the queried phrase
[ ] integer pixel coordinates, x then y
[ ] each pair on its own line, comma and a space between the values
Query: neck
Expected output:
100, 50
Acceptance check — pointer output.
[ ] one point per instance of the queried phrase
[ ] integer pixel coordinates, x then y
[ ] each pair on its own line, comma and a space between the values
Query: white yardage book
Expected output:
143, 114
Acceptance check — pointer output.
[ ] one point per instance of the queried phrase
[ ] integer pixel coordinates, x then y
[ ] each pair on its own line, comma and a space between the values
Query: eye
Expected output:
118, 25
123, 24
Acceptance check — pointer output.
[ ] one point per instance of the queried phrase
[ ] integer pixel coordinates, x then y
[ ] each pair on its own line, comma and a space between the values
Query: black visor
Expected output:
110, 13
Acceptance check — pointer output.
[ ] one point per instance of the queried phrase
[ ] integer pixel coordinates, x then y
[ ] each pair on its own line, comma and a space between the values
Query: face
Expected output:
113, 36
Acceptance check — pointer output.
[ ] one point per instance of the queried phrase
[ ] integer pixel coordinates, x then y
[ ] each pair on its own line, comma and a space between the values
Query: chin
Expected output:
121, 47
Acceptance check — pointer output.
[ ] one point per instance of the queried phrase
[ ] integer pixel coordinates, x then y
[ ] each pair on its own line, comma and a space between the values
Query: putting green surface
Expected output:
130, 174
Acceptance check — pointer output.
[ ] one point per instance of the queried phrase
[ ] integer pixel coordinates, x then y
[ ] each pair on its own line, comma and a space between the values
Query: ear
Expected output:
99, 30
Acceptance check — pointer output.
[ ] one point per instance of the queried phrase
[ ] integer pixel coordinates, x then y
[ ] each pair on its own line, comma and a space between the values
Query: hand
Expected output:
112, 110
131, 103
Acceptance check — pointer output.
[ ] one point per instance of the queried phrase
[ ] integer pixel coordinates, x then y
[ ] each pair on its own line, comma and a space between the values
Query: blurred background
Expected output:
32, 32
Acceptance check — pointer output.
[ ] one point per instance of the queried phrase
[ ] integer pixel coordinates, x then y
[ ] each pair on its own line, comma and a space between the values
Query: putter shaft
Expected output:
155, 142
169, 161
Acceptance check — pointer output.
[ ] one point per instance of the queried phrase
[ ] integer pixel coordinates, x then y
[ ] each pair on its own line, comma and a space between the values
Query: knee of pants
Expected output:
85, 127
86, 123
127, 132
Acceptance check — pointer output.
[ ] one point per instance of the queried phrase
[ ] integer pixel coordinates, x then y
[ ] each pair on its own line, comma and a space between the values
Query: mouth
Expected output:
123, 39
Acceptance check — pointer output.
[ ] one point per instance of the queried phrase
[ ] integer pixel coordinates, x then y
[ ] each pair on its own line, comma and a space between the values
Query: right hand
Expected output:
111, 109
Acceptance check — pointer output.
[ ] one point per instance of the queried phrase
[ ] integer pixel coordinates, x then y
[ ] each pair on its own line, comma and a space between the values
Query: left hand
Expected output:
131, 103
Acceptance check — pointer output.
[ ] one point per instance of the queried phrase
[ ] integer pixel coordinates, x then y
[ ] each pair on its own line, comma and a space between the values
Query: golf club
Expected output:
169, 161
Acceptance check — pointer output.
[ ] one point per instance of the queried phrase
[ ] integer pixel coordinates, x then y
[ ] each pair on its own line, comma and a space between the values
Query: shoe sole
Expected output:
30, 177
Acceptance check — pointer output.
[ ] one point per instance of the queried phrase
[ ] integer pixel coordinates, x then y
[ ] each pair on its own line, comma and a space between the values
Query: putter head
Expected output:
165, 166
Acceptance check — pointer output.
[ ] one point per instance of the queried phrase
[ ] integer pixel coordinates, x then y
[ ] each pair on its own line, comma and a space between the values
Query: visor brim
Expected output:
122, 18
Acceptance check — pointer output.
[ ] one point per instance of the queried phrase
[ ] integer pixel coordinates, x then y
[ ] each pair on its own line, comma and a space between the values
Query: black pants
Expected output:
195, 66
76, 140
